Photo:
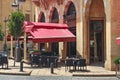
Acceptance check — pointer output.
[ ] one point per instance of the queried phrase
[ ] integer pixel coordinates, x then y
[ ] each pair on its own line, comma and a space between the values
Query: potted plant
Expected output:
117, 60
34, 52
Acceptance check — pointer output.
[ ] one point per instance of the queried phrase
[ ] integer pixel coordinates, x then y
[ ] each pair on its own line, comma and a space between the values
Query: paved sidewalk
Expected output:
15, 70
60, 71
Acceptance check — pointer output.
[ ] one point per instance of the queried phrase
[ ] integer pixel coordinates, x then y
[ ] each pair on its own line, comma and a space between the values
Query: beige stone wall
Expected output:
6, 9
115, 29
112, 23
108, 35
29, 8
62, 8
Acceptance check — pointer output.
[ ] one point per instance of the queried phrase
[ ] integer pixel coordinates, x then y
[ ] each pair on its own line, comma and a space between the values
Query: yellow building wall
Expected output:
6, 9
82, 22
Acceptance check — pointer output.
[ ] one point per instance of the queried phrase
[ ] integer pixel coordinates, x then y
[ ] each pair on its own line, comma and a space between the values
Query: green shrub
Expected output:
117, 60
46, 53
33, 51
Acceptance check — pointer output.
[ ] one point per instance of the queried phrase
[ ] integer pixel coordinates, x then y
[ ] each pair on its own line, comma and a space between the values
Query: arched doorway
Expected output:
41, 18
96, 31
70, 19
55, 19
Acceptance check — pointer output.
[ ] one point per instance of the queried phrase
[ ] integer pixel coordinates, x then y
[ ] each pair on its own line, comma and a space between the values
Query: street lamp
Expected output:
5, 45
16, 3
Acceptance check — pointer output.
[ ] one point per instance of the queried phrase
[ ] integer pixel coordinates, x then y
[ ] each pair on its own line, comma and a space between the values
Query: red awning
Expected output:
20, 38
50, 32
28, 28
118, 40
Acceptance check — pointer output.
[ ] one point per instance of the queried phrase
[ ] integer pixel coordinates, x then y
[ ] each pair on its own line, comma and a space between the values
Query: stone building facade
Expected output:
27, 8
96, 24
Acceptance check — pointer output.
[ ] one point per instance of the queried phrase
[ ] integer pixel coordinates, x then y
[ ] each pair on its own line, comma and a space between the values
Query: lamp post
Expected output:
16, 3
17, 57
5, 44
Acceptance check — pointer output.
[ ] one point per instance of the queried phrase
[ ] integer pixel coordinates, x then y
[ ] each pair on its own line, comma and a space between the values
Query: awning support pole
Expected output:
25, 53
11, 50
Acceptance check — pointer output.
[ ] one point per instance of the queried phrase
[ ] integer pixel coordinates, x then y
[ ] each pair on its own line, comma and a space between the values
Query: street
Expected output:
10, 77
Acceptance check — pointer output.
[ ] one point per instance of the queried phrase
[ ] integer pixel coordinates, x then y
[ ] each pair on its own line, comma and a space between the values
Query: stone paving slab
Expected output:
95, 71
14, 70
60, 71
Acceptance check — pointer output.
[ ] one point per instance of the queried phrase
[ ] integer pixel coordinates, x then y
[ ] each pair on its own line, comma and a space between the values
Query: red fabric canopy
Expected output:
20, 38
49, 32
118, 40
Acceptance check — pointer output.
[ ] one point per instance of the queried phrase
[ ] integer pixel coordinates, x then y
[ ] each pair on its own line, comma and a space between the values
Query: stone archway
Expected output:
70, 20
54, 18
41, 17
88, 4
42, 46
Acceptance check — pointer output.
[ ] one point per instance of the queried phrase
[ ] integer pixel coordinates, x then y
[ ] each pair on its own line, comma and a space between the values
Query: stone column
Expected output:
11, 49
61, 50
25, 47
64, 54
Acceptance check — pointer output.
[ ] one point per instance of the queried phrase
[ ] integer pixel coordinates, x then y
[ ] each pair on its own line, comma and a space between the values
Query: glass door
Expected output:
96, 41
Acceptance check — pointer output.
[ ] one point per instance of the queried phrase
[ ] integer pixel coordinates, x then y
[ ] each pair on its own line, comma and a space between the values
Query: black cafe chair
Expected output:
34, 59
43, 61
69, 63
52, 59
81, 63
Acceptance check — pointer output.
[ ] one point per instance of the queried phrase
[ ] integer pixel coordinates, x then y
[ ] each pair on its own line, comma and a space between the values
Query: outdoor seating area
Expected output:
3, 59
76, 64
43, 61
59, 71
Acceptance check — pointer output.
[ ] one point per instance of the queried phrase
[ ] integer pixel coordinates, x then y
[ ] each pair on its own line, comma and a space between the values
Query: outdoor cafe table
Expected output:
75, 63
74, 60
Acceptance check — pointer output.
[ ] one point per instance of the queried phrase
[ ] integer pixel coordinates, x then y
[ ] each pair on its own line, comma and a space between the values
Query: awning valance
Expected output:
20, 38
49, 32
118, 40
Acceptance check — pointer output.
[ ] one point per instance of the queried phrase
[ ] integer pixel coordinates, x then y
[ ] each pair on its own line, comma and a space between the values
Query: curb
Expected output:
95, 75
20, 73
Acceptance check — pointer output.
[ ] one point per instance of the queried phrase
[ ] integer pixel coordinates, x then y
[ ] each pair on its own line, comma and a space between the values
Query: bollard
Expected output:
51, 66
21, 65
